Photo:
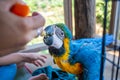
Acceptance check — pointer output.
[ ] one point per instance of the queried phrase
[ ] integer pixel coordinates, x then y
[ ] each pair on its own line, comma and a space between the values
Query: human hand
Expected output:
18, 58
16, 31
34, 58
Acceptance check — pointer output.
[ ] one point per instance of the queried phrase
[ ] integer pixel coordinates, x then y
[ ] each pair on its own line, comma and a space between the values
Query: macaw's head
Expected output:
55, 34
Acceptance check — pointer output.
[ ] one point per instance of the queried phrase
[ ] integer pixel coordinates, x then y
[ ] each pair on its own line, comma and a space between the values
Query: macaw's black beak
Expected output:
48, 35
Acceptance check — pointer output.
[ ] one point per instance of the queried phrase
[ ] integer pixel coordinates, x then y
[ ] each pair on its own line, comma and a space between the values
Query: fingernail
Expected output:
35, 13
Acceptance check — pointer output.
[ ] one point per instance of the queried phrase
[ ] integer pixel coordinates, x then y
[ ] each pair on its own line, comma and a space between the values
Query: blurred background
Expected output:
53, 11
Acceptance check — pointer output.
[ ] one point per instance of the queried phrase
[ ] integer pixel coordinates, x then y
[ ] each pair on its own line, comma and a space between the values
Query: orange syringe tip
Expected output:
20, 9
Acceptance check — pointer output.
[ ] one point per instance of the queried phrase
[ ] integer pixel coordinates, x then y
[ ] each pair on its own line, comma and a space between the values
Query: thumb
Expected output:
37, 20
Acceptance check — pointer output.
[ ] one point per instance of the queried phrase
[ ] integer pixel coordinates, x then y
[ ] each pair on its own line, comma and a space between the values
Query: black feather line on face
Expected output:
56, 52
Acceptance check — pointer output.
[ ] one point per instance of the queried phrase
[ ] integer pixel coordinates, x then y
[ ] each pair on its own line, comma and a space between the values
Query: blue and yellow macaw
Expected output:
74, 56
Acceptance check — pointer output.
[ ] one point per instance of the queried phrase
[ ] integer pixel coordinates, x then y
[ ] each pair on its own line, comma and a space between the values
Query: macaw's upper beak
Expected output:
48, 31
48, 35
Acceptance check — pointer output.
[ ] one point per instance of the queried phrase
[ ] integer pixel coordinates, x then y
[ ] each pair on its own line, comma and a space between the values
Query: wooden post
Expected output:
84, 18
68, 13
112, 20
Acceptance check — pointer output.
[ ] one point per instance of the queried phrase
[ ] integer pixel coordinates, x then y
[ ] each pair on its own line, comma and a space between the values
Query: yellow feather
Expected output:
63, 63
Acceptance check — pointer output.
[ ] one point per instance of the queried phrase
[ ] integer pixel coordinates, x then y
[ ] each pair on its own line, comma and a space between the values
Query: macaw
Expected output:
82, 56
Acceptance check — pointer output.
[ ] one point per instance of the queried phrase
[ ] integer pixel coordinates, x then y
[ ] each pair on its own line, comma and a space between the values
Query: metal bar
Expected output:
117, 66
115, 43
116, 77
118, 24
103, 40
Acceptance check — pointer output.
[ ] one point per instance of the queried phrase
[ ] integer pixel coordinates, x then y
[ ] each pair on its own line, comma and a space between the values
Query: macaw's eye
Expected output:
62, 33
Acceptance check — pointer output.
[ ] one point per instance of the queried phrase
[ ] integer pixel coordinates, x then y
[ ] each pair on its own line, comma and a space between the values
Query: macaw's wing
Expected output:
89, 55
90, 44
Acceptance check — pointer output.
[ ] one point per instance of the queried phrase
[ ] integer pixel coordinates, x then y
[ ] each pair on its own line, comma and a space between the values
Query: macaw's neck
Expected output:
61, 51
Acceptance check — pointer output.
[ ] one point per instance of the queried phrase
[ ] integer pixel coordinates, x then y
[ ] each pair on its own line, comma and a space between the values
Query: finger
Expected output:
34, 34
39, 63
39, 31
42, 59
43, 77
36, 21
35, 13
39, 77
39, 20
43, 56
28, 36
36, 63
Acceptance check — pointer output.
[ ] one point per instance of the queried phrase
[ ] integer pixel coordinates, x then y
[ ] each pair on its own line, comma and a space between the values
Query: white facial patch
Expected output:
57, 43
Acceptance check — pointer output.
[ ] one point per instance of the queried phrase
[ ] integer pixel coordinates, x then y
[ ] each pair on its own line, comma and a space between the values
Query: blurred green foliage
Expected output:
53, 12
100, 11
36, 5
